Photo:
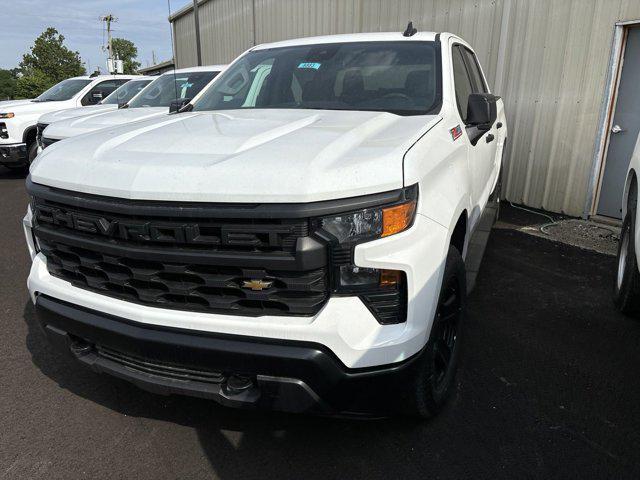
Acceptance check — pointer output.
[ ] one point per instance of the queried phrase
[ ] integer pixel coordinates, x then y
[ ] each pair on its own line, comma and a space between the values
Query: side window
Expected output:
474, 70
463, 86
101, 91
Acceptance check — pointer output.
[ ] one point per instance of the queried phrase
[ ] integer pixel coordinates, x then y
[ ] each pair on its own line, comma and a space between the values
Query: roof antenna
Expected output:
410, 31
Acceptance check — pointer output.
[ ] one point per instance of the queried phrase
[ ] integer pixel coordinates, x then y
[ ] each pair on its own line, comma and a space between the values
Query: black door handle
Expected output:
490, 138
499, 125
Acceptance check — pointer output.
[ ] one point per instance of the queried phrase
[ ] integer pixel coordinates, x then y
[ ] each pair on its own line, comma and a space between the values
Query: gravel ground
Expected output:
589, 235
548, 388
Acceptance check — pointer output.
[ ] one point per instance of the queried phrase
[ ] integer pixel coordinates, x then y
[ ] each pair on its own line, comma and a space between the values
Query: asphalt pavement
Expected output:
548, 388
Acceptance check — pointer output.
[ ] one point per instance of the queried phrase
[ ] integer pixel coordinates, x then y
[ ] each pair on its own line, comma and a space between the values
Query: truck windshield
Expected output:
169, 87
125, 92
64, 90
397, 77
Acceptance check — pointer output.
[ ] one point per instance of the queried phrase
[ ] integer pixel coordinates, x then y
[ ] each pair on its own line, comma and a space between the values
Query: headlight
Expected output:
382, 290
369, 224
7, 115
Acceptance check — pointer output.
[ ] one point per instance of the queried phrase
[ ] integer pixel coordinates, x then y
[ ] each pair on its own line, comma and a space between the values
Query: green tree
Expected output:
126, 51
7, 84
48, 63
33, 84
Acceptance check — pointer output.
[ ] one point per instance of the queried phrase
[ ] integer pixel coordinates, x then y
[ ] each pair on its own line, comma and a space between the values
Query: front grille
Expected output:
45, 142
187, 286
235, 266
160, 369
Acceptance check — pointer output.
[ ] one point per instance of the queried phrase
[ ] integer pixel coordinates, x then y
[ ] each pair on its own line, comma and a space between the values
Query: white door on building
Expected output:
624, 130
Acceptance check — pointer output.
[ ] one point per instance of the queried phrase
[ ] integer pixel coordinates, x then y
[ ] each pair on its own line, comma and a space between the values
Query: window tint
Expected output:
474, 70
64, 90
397, 77
101, 91
169, 87
126, 92
462, 82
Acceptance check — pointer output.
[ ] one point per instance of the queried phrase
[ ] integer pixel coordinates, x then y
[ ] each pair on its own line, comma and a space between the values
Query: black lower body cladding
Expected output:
232, 370
13, 155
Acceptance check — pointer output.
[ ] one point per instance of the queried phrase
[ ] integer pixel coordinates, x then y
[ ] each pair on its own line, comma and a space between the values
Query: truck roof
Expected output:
103, 77
204, 68
351, 38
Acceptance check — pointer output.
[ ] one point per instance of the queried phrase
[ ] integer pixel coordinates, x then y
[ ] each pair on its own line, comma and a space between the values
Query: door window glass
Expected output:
463, 86
474, 70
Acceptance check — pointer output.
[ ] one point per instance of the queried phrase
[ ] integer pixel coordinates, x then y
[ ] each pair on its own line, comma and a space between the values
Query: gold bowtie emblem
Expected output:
256, 284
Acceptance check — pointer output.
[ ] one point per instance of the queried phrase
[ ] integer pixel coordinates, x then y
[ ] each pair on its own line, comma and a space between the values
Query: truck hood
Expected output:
28, 106
5, 104
238, 156
97, 121
75, 112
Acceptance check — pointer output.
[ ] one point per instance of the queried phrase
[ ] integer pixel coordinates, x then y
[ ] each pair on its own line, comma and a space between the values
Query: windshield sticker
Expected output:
312, 65
456, 132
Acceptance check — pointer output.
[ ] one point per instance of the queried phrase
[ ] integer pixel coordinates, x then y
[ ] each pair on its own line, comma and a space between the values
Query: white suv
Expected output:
18, 118
294, 239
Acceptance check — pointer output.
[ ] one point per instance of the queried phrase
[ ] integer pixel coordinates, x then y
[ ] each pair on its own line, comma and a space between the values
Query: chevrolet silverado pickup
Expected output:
18, 119
295, 239
175, 87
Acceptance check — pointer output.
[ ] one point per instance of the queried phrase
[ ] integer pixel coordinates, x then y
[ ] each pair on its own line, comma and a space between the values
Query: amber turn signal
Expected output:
390, 278
397, 218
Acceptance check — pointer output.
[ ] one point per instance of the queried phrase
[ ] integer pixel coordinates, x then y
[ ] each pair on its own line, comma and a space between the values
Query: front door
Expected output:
624, 130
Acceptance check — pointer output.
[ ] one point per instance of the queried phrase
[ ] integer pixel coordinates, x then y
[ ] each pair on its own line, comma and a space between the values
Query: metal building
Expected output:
557, 64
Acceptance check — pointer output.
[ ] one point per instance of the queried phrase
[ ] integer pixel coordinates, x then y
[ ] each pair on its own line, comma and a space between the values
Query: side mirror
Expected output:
177, 105
481, 114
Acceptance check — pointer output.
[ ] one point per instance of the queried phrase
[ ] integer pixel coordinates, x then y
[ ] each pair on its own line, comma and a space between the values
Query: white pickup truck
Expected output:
175, 88
18, 119
295, 239
117, 99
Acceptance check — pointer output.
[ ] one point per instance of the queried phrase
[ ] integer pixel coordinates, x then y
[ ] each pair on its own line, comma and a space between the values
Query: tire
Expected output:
434, 379
626, 289
32, 151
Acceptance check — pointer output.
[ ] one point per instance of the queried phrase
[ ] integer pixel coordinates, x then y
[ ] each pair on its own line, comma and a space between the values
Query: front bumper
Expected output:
233, 370
13, 155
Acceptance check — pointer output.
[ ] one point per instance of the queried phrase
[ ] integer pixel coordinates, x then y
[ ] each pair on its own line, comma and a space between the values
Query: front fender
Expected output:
439, 165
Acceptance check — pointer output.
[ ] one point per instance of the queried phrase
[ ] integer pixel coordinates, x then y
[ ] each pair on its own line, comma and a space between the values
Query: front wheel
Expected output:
32, 152
626, 293
435, 376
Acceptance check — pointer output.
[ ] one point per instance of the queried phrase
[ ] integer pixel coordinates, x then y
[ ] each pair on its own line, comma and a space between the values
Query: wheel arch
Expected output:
630, 191
29, 134
459, 233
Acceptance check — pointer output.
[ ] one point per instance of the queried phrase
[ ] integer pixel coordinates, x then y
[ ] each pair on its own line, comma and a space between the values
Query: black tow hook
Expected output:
239, 383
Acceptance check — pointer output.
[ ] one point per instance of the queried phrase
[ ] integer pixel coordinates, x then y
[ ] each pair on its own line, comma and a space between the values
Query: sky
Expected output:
144, 22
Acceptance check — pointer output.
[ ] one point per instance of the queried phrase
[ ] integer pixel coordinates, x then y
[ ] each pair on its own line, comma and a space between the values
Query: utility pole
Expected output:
108, 19
197, 24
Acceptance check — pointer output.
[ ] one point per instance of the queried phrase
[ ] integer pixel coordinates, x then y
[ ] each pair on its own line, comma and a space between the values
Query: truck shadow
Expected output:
9, 173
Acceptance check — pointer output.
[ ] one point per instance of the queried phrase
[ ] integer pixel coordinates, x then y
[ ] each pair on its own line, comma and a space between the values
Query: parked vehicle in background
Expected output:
627, 285
296, 239
175, 87
18, 119
117, 99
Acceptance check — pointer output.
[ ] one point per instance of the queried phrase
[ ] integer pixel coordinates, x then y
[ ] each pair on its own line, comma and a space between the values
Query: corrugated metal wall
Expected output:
552, 68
